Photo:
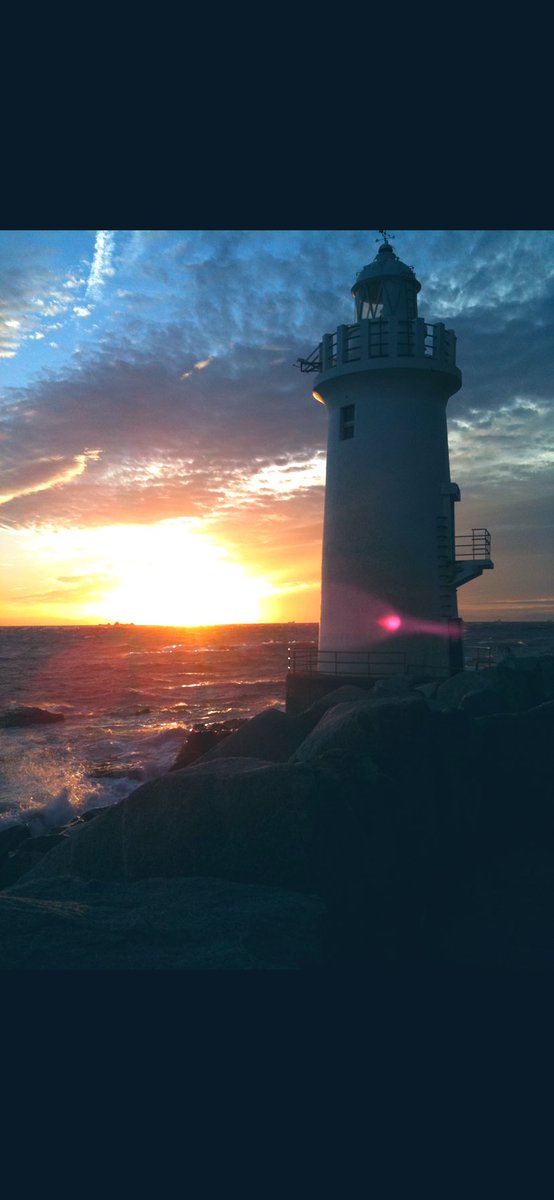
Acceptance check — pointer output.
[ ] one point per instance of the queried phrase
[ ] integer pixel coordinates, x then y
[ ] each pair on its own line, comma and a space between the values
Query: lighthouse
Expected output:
392, 563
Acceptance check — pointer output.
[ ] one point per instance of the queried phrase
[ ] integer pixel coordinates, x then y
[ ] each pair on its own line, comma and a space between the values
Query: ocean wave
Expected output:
48, 788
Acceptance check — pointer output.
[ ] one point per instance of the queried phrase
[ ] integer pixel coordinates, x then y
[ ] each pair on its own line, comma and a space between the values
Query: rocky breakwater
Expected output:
405, 827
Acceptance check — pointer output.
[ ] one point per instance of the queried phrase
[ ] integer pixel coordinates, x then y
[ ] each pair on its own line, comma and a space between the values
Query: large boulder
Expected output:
19, 851
11, 837
393, 685
183, 924
516, 683
202, 738
293, 826
485, 703
270, 735
377, 729
235, 818
197, 743
349, 693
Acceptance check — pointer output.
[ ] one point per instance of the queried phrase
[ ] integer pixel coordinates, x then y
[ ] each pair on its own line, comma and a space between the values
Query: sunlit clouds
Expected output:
284, 479
54, 472
148, 386
199, 366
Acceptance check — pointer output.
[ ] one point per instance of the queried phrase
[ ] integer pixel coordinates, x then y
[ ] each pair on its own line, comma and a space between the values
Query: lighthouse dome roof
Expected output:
386, 265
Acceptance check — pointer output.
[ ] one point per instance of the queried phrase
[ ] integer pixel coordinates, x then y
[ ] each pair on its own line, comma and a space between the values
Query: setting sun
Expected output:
165, 575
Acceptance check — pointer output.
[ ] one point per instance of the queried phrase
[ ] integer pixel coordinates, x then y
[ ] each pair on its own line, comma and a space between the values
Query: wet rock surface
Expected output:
203, 739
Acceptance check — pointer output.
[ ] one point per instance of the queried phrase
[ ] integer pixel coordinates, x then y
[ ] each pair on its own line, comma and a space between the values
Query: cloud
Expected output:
80, 311
102, 261
43, 474
165, 453
30, 293
199, 366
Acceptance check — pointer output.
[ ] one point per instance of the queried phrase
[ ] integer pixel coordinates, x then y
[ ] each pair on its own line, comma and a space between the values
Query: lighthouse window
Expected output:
371, 301
347, 421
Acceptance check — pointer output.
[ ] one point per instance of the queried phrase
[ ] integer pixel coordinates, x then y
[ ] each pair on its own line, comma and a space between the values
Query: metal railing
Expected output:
382, 338
308, 660
312, 362
485, 657
475, 545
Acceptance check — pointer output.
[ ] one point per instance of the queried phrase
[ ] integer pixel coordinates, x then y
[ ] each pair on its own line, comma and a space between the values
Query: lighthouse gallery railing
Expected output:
382, 338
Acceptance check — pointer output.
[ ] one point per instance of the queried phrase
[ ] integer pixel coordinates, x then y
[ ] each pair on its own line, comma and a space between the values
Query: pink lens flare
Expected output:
391, 623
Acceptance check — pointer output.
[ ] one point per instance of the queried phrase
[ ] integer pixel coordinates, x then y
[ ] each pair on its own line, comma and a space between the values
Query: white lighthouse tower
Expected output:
391, 561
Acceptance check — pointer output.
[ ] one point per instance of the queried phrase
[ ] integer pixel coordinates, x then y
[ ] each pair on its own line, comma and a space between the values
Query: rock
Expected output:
484, 703
450, 693
20, 863
403, 820
159, 924
429, 690
542, 711
113, 771
378, 729
12, 837
197, 743
520, 680
21, 852
202, 739
271, 735
349, 693
395, 685
291, 826
234, 818
519, 687
88, 815
28, 716
44, 843
539, 666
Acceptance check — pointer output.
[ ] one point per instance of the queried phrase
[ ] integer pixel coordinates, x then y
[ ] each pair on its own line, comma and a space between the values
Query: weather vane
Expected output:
386, 236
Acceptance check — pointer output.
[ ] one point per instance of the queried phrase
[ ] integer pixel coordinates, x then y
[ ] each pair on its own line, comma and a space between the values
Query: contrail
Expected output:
102, 261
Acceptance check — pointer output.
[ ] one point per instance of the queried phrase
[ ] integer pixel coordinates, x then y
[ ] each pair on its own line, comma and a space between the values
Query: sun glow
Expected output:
168, 573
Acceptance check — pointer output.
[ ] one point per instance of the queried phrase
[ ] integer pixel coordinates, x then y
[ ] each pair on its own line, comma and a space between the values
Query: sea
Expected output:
130, 694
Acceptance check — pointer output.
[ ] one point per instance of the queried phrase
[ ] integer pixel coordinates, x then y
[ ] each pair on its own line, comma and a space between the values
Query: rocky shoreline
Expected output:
411, 826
